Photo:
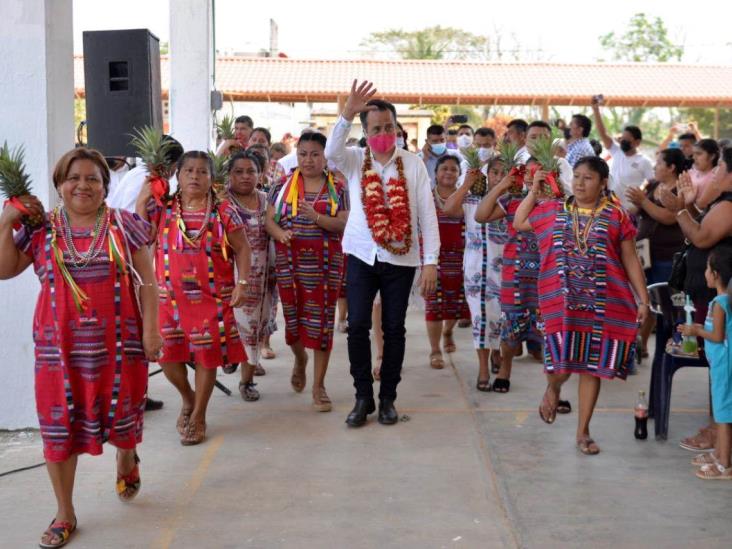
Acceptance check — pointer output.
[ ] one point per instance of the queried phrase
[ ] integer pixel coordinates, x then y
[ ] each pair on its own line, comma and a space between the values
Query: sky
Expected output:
560, 31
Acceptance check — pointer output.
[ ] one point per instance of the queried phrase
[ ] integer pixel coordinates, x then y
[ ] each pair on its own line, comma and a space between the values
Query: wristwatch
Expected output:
242, 281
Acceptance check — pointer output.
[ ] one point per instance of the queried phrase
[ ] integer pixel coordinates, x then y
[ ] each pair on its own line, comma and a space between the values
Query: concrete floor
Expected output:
465, 469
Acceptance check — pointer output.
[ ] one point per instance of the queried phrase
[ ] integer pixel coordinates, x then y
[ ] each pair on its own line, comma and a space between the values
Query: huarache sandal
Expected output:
128, 486
248, 392
298, 379
436, 361
448, 342
547, 410
703, 459
483, 385
564, 407
195, 433
321, 400
60, 530
182, 424
588, 446
714, 471
501, 385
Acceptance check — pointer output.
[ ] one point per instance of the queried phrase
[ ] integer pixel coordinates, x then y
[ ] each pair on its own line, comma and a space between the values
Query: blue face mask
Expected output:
438, 148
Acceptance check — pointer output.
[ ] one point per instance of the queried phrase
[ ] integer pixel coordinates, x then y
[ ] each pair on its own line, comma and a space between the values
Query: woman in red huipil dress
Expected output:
92, 341
447, 304
197, 239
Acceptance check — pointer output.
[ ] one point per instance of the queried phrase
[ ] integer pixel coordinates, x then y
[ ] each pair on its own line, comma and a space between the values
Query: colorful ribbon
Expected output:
15, 202
160, 189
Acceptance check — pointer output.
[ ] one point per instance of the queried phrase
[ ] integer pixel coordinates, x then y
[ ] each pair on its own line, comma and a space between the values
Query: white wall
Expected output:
36, 110
191, 47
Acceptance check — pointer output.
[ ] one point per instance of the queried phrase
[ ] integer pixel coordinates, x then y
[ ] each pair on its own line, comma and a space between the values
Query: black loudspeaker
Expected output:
122, 81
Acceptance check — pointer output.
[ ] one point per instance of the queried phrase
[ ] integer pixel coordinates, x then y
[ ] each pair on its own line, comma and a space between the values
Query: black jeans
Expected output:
362, 282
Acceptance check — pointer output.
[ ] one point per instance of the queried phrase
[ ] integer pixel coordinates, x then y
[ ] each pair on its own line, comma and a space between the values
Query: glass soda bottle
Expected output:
641, 416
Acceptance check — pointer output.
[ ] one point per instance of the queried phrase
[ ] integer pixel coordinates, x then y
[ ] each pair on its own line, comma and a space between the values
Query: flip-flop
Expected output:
552, 412
436, 361
501, 385
128, 486
588, 446
564, 407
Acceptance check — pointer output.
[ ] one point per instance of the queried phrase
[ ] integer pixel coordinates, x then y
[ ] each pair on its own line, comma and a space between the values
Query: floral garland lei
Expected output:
389, 224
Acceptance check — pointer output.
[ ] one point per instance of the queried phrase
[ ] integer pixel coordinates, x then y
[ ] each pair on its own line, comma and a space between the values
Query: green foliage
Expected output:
542, 149
153, 149
643, 41
218, 177
431, 43
14, 179
704, 119
225, 127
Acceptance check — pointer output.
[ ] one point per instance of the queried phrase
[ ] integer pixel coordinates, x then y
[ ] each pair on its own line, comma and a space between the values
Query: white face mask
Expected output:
400, 142
485, 153
464, 141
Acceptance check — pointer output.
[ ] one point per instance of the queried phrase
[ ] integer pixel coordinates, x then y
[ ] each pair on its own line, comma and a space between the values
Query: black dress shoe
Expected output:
152, 404
387, 413
363, 407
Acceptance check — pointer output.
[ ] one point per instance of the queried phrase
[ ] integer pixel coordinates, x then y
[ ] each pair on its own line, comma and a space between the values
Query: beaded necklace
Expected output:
581, 236
192, 240
101, 226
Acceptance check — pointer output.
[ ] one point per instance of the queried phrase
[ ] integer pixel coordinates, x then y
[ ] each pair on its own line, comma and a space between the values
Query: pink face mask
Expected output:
382, 143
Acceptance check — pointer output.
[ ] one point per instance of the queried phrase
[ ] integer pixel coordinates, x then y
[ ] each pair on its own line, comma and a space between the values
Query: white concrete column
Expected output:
36, 110
191, 73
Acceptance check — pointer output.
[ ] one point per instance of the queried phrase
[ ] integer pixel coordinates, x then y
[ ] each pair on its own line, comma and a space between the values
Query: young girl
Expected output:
717, 331
588, 265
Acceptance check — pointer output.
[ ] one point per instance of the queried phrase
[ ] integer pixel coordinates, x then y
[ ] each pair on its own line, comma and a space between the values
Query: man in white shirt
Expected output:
389, 266
629, 167
516, 134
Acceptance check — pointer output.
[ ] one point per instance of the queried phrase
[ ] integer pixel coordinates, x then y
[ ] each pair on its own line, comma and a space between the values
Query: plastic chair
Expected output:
665, 364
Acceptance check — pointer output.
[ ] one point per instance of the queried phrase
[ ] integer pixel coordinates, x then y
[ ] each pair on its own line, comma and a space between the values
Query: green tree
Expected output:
704, 119
643, 41
431, 43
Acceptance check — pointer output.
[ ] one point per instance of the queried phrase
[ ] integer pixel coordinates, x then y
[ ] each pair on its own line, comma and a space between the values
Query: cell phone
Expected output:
599, 99
459, 119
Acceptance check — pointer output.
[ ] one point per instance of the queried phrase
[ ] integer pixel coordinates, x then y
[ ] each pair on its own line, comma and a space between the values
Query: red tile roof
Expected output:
454, 82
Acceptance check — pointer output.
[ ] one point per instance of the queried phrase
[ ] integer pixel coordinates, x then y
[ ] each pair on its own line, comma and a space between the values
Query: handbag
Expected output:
678, 269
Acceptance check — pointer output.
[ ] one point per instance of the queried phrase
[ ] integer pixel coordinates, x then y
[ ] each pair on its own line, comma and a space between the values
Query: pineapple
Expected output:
542, 148
14, 179
225, 129
218, 177
509, 152
154, 150
474, 163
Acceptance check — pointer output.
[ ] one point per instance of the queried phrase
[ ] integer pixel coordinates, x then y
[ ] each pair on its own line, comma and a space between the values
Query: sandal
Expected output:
449, 342
182, 424
230, 368
706, 458
268, 353
436, 361
588, 446
298, 379
259, 371
128, 486
60, 529
547, 412
714, 471
195, 433
564, 407
501, 385
495, 362
483, 385
321, 400
248, 392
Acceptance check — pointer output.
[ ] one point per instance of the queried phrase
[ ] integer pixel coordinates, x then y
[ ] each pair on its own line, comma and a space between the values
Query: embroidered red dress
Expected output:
448, 301
587, 305
196, 281
90, 371
309, 271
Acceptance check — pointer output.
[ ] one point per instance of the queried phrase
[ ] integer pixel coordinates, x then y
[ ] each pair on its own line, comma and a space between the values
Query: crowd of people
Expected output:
527, 251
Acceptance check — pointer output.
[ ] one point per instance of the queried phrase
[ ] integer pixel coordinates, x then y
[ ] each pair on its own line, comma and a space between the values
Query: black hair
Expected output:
676, 159
245, 155
260, 149
436, 129
724, 143
451, 131
266, 133
540, 124
486, 132
175, 151
244, 119
635, 131
314, 137
495, 159
194, 155
584, 122
448, 158
468, 126
405, 135
520, 124
596, 146
595, 164
687, 137
720, 261
380, 105
711, 147
363, 142
727, 157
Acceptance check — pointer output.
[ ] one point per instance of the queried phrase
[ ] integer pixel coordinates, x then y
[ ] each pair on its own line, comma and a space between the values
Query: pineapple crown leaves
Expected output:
154, 149
225, 127
508, 152
542, 148
220, 167
14, 179
471, 156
